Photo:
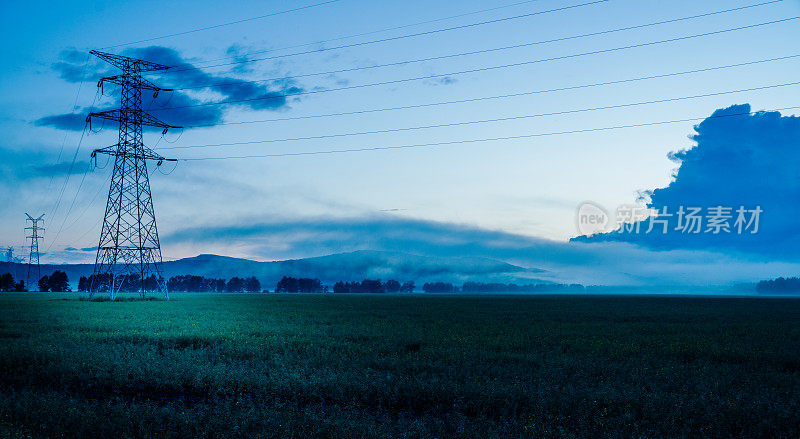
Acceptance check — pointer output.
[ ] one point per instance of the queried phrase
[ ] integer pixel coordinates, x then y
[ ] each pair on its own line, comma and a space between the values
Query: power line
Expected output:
483, 69
221, 25
400, 37
66, 134
492, 139
482, 121
69, 171
516, 46
386, 29
72, 110
69, 210
74, 159
503, 96
91, 202
476, 52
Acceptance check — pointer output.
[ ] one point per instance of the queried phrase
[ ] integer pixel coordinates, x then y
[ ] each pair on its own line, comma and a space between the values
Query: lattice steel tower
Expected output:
34, 255
129, 252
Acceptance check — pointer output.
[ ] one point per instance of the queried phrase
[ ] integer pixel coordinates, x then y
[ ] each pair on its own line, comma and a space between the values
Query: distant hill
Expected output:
351, 266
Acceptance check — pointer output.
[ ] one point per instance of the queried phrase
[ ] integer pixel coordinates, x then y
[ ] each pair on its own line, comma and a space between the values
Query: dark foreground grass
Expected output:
393, 366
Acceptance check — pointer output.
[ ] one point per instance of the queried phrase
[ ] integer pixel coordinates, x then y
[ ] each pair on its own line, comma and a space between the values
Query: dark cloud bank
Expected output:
181, 107
740, 160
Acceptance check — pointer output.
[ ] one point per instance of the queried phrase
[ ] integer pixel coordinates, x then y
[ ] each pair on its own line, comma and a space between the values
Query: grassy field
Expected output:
399, 366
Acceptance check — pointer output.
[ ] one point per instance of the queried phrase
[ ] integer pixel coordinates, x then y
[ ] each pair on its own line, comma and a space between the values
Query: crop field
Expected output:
269, 365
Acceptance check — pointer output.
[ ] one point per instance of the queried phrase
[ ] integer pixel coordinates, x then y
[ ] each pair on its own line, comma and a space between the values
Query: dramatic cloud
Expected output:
68, 121
255, 95
189, 104
739, 160
178, 109
77, 66
599, 263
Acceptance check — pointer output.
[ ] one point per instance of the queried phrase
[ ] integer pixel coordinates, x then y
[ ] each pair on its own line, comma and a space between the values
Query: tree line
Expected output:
779, 285
289, 284
187, 283
130, 284
374, 286
200, 284
56, 282
59, 282
7, 284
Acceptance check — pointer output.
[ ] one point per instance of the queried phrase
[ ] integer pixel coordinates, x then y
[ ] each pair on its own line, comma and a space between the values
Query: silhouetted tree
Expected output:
439, 287
219, 285
235, 285
200, 284
392, 286
58, 282
408, 287
289, 284
252, 285
7, 282
100, 282
44, 284
83, 283
130, 283
372, 286
197, 284
20, 287
308, 285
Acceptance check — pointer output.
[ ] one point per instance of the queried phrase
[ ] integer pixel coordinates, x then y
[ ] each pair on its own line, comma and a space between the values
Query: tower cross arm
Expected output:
125, 80
142, 153
123, 116
34, 219
126, 63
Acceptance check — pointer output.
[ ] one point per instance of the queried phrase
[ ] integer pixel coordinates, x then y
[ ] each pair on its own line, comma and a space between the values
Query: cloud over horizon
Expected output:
738, 160
605, 263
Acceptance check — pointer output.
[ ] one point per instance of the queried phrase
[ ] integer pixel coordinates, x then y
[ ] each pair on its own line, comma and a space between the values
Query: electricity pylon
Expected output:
129, 250
34, 255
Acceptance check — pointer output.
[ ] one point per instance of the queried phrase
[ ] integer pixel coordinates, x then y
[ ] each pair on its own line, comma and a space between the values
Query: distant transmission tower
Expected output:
10, 254
129, 251
34, 256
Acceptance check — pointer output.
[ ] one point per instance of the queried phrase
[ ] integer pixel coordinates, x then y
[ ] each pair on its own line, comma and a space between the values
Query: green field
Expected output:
399, 366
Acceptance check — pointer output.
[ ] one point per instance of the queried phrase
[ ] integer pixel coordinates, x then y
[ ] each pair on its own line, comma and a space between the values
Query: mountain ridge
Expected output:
348, 266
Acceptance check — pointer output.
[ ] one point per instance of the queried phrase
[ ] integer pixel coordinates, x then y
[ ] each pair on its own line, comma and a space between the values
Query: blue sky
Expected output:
527, 188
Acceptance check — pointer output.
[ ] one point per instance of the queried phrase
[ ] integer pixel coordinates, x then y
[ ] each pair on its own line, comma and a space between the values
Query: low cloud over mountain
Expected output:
602, 263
